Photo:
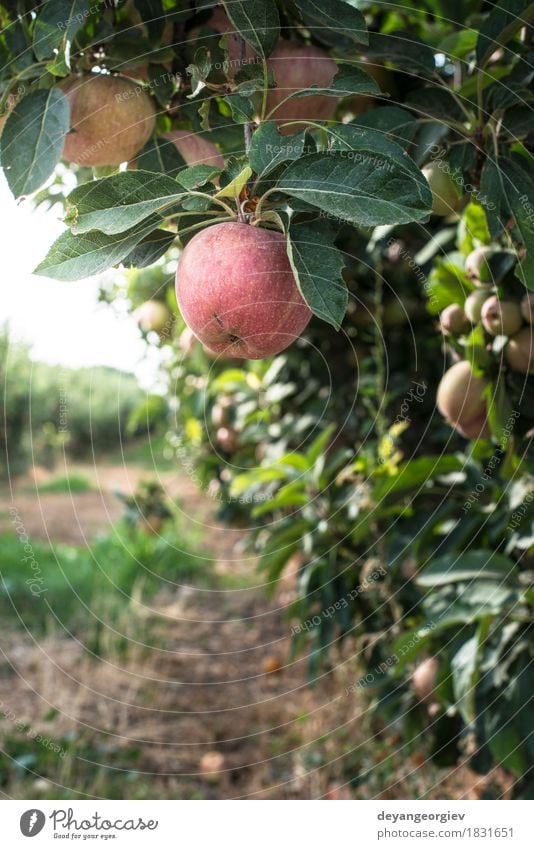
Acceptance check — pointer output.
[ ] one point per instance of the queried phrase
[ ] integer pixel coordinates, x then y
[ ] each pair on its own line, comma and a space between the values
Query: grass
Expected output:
70, 483
151, 454
81, 589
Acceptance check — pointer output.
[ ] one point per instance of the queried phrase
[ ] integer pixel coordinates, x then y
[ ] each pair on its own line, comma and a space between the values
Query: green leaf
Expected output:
348, 80
235, 187
403, 49
268, 148
484, 599
496, 204
502, 23
393, 121
280, 546
57, 23
318, 446
115, 204
476, 226
435, 102
161, 156
459, 44
317, 264
162, 83
291, 495
518, 190
361, 185
199, 71
326, 18
500, 409
408, 645
59, 66
33, 138
415, 474
76, 257
262, 475
446, 285
361, 137
257, 22
463, 668
241, 107
152, 14
150, 249
196, 176
471, 565
475, 350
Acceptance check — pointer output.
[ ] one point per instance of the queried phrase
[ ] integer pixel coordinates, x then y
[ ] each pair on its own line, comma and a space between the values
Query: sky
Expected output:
62, 322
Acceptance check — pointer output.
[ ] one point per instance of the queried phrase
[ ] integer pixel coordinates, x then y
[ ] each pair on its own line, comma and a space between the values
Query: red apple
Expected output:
477, 266
153, 316
527, 308
460, 401
237, 292
454, 320
519, 351
424, 678
111, 119
501, 318
220, 22
226, 438
295, 67
194, 149
474, 303
357, 104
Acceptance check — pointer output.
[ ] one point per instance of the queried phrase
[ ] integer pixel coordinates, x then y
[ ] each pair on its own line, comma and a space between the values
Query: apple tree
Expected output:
326, 210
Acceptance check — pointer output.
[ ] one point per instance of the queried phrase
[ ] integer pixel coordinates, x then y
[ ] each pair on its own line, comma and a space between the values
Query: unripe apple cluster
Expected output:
499, 317
460, 396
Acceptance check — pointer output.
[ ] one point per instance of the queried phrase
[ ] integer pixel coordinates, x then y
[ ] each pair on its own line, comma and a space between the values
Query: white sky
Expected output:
62, 322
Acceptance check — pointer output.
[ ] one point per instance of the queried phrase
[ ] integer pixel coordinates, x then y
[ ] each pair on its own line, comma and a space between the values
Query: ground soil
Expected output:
204, 694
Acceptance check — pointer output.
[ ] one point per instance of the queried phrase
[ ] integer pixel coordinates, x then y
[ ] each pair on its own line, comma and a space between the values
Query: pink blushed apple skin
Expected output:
461, 402
296, 67
237, 292
195, 149
111, 119
152, 316
501, 318
519, 352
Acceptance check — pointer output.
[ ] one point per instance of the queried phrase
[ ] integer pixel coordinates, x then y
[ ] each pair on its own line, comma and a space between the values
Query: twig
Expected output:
248, 127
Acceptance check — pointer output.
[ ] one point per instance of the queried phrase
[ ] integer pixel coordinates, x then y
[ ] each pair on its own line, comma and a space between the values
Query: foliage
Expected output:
90, 591
48, 410
68, 483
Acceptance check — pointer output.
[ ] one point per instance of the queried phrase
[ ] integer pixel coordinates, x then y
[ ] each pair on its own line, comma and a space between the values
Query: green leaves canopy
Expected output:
33, 139
360, 184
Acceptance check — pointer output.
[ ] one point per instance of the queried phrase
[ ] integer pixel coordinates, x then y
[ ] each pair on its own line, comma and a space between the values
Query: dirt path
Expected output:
203, 702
